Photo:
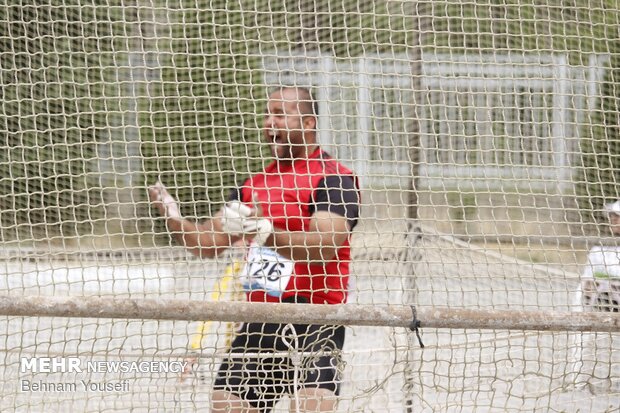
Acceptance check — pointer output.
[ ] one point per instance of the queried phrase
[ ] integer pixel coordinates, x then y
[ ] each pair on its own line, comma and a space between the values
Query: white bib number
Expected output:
266, 270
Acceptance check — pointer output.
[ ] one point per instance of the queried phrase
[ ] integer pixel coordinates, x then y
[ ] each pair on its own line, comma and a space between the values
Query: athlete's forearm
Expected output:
327, 232
312, 247
203, 240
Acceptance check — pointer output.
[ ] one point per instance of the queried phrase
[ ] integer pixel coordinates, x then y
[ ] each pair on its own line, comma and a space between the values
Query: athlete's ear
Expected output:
309, 122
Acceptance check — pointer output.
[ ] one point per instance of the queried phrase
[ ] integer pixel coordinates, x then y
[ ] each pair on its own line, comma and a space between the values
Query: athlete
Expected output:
296, 219
600, 286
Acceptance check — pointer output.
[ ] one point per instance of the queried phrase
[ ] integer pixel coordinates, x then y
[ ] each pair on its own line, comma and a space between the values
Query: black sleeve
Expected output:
234, 194
338, 194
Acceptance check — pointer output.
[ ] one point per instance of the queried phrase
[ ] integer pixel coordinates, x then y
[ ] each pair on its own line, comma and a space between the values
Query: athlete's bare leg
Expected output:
225, 402
312, 399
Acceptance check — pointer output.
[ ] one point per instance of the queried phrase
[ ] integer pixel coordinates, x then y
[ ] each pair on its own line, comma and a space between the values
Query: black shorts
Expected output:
256, 375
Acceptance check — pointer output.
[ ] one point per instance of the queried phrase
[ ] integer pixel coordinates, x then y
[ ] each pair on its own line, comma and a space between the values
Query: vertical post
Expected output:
364, 105
324, 82
120, 163
591, 84
418, 12
560, 119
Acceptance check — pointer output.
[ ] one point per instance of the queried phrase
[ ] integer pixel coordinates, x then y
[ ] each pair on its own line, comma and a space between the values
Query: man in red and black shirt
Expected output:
296, 218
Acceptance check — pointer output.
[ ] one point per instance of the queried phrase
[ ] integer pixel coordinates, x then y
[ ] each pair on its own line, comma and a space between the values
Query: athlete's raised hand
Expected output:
163, 201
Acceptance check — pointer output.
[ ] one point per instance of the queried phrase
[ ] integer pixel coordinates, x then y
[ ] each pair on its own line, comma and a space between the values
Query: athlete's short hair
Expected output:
307, 104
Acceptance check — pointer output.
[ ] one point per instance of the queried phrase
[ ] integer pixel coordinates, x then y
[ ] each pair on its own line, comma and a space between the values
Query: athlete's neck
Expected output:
310, 151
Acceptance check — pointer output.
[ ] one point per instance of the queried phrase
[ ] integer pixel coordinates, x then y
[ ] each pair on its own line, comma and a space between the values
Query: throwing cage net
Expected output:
485, 137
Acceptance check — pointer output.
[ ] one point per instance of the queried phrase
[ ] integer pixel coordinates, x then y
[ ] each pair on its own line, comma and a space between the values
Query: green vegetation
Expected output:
577, 29
52, 114
84, 84
524, 26
463, 206
199, 126
200, 120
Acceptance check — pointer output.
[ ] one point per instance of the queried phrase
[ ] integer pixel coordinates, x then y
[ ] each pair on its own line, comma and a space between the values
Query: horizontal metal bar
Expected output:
343, 314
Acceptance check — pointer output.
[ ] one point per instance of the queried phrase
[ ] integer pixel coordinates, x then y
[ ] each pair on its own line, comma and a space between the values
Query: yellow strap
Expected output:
223, 285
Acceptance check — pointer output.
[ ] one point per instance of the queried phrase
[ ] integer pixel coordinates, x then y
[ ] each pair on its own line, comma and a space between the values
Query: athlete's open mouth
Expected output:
276, 137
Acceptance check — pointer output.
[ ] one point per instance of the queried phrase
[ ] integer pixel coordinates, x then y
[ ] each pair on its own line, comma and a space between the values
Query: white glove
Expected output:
239, 219
262, 227
161, 194
234, 216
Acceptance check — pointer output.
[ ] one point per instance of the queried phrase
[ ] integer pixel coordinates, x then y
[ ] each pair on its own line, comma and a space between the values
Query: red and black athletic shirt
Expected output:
289, 194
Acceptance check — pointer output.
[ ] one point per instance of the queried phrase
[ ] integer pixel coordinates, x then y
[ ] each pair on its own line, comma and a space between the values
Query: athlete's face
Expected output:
286, 127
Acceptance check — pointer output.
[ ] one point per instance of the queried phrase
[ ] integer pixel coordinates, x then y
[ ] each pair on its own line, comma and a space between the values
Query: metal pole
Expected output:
342, 314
